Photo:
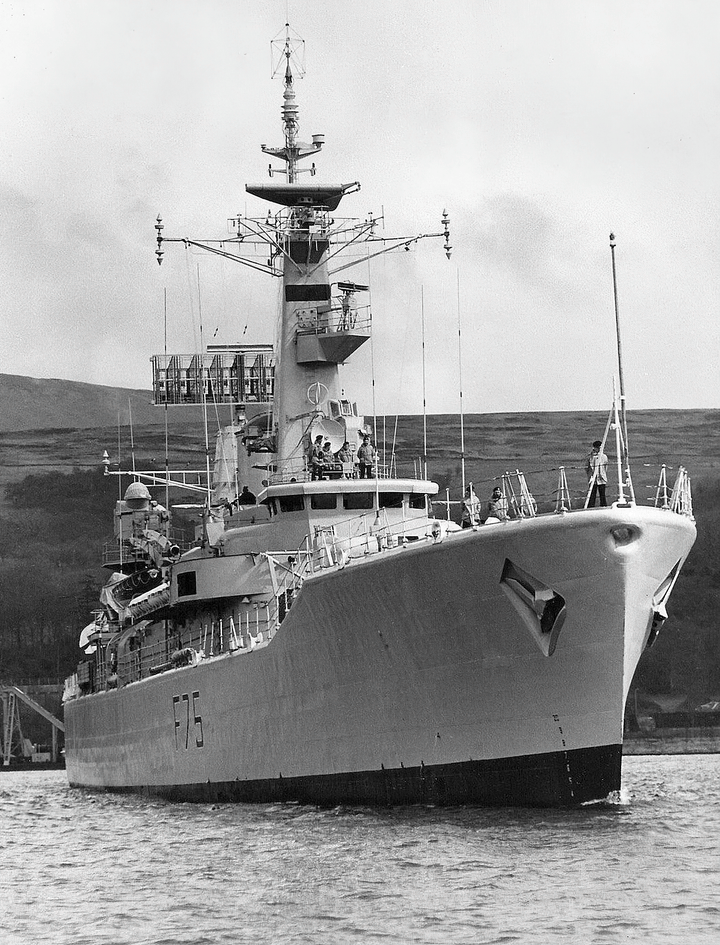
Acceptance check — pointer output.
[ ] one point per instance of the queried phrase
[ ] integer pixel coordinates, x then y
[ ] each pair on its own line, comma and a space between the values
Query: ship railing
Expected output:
337, 472
555, 493
144, 660
681, 496
335, 319
124, 552
240, 375
252, 623
369, 533
116, 552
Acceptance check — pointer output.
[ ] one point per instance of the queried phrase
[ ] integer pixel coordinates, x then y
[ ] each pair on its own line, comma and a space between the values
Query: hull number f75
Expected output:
188, 721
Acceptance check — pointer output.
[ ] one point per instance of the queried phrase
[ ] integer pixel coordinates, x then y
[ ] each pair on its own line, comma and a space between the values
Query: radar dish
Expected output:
330, 430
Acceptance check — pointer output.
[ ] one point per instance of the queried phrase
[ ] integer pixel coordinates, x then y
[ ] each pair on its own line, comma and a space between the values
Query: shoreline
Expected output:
674, 742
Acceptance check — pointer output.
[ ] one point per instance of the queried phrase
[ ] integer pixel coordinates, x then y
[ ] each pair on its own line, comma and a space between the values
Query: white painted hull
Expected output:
408, 676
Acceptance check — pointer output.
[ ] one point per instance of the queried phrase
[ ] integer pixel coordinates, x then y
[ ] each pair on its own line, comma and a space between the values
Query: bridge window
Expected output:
324, 500
391, 500
418, 502
358, 500
291, 503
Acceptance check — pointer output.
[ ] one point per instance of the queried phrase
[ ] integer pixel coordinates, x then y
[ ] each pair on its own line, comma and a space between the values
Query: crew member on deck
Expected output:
344, 456
596, 468
246, 497
498, 505
316, 458
366, 457
470, 509
329, 466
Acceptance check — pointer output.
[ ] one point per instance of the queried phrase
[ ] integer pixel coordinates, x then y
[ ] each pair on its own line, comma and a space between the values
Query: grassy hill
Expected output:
30, 403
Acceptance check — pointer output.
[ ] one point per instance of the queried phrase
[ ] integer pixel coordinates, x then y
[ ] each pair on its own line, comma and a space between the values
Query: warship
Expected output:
330, 637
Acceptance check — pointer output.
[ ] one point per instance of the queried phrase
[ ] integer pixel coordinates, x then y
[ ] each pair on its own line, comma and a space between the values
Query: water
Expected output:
91, 869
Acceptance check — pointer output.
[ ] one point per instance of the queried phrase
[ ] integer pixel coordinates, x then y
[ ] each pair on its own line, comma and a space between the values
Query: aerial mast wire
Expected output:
167, 449
623, 412
203, 393
132, 436
422, 332
462, 415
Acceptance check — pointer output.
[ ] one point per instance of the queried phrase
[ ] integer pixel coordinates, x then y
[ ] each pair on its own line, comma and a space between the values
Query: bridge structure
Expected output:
13, 742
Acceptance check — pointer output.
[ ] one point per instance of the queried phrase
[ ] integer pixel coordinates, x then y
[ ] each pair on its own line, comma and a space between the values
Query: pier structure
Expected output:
11, 732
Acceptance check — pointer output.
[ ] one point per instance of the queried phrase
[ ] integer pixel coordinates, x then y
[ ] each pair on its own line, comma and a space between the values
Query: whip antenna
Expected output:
462, 415
422, 332
623, 412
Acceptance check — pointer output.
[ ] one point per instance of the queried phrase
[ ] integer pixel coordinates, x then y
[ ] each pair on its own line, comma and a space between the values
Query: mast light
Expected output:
159, 251
446, 233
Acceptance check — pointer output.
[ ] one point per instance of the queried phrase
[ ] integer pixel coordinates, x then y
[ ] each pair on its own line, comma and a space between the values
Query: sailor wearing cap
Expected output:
596, 468
366, 457
498, 505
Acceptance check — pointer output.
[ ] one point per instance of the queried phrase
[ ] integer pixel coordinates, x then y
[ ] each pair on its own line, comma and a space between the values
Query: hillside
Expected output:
31, 403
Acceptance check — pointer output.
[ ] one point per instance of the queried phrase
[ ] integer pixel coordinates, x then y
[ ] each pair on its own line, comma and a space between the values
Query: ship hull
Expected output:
410, 677
555, 779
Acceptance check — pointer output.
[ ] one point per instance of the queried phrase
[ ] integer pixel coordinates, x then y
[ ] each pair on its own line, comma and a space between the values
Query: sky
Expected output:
540, 125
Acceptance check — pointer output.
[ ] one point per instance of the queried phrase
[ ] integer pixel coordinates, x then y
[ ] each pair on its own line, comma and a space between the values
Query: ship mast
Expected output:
292, 50
321, 323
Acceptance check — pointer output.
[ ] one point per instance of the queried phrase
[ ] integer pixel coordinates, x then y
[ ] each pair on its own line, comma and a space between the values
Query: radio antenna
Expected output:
623, 411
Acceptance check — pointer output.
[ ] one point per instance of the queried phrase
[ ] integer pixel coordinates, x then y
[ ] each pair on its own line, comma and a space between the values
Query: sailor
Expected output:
596, 468
366, 457
498, 506
329, 468
246, 497
316, 458
344, 456
156, 516
470, 509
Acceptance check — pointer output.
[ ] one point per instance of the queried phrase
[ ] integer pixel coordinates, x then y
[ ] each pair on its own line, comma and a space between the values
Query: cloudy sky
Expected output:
541, 125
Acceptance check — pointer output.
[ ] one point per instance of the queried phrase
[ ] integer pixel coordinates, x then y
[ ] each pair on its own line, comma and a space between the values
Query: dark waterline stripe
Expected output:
555, 779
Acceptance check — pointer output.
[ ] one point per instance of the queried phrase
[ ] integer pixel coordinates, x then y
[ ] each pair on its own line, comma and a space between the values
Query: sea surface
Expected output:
90, 869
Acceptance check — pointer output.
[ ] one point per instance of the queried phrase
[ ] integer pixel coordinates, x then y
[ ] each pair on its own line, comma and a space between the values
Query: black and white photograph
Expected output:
359, 472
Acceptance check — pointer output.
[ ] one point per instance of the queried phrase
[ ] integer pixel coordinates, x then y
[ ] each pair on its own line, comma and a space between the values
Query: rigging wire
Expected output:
188, 273
403, 359
424, 406
167, 448
203, 392
462, 415
372, 351
132, 437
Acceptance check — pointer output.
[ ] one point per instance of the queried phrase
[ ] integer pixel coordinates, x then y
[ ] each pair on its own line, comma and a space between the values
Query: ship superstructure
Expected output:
329, 638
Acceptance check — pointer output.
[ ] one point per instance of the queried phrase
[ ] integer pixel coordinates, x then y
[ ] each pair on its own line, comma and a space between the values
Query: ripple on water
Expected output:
96, 868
